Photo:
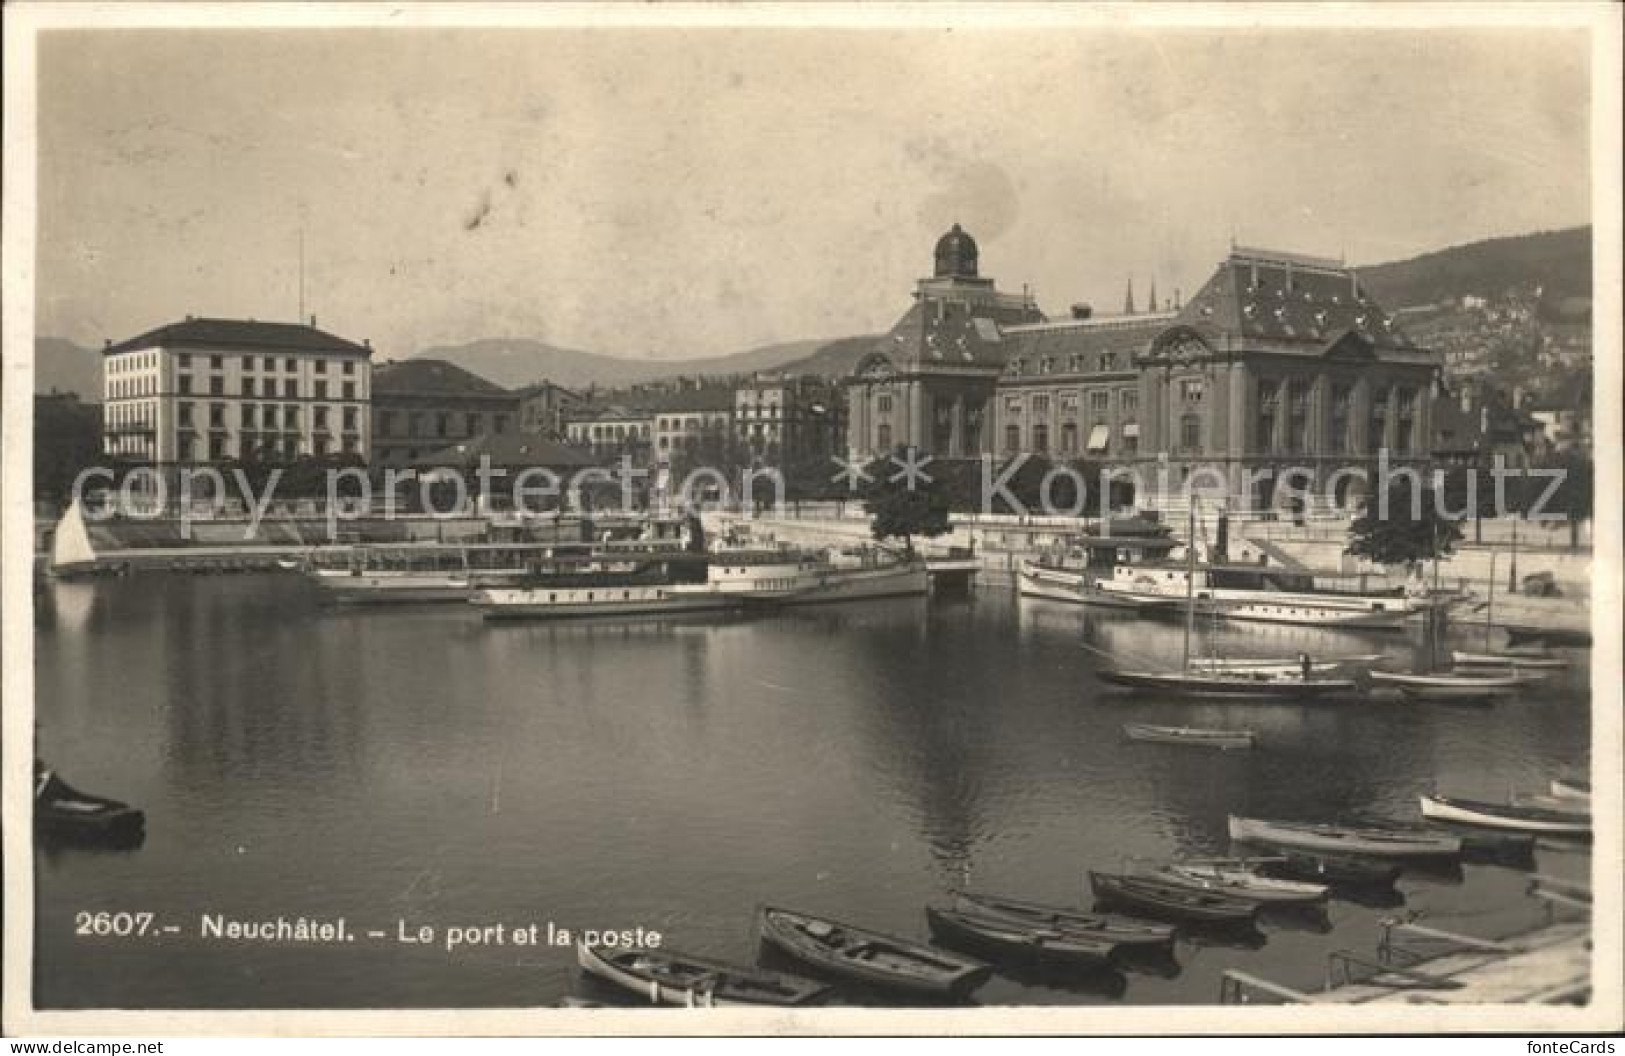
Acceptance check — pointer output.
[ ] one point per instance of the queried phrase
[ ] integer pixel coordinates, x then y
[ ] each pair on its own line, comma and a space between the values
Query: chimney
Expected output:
313, 321
1082, 311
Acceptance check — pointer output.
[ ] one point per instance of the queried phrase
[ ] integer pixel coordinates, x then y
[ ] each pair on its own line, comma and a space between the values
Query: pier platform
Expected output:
1551, 965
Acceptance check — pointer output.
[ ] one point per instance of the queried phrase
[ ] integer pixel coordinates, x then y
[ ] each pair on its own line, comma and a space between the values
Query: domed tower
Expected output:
956, 255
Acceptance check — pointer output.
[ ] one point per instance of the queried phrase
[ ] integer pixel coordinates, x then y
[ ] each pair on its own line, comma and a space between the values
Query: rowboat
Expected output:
1342, 839
1449, 686
64, 812
1514, 660
869, 956
1334, 870
1000, 937
1122, 932
1266, 685
1243, 883
1171, 901
1505, 816
667, 977
1189, 735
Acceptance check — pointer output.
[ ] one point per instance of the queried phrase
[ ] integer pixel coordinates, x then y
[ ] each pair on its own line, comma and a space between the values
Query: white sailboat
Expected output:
1269, 683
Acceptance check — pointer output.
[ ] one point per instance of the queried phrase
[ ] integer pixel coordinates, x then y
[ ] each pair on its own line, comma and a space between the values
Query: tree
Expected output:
903, 507
1403, 527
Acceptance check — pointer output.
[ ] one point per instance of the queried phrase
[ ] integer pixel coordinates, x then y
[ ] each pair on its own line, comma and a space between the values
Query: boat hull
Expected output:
1509, 660
1122, 932
1448, 687
861, 584
1037, 581
1254, 687
1238, 883
1503, 816
1171, 901
1005, 939
691, 982
1340, 840
889, 962
544, 604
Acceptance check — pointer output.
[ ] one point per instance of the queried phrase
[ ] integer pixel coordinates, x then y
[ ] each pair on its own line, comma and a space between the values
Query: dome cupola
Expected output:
956, 255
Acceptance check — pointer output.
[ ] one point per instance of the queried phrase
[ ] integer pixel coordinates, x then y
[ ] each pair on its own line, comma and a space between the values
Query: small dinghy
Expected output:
62, 811
1333, 870
1516, 661
1160, 898
1449, 686
1000, 937
871, 957
1505, 816
1190, 735
1244, 883
1344, 839
1122, 932
667, 977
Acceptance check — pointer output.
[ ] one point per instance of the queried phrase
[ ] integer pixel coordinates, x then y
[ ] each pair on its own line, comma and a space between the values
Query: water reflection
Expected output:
858, 760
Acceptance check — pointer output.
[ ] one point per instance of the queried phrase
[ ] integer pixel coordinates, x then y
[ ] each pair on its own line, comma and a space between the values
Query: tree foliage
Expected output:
1404, 526
901, 510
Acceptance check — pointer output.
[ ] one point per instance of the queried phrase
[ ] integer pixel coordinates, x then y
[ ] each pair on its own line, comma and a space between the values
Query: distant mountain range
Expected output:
1558, 261
515, 362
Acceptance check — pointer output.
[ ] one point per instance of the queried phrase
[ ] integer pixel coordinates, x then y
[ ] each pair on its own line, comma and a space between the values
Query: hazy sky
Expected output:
679, 192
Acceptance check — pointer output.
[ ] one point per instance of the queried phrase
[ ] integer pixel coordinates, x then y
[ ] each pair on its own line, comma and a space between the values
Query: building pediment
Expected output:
875, 366
1178, 346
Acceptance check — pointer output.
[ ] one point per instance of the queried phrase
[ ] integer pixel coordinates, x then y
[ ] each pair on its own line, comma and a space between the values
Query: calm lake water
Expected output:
420, 766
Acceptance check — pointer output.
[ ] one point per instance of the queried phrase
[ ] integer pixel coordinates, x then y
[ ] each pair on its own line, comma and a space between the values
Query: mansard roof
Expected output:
1285, 297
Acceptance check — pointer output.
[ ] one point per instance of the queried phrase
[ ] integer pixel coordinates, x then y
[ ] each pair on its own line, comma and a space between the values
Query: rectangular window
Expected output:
349, 390
186, 415
185, 383
386, 423
1108, 361
883, 404
290, 417
499, 424
184, 361
1190, 433
442, 424
321, 366
290, 388
217, 416
1069, 403
319, 417
1040, 405
1012, 438
1191, 390
247, 412
1012, 405
471, 425
1128, 401
1100, 402
349, 367
270, 416
321, 387
248, 386
217, 385
215, 363
349, 419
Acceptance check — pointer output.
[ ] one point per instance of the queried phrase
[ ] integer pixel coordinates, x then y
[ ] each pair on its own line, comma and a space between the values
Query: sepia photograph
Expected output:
808, 519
